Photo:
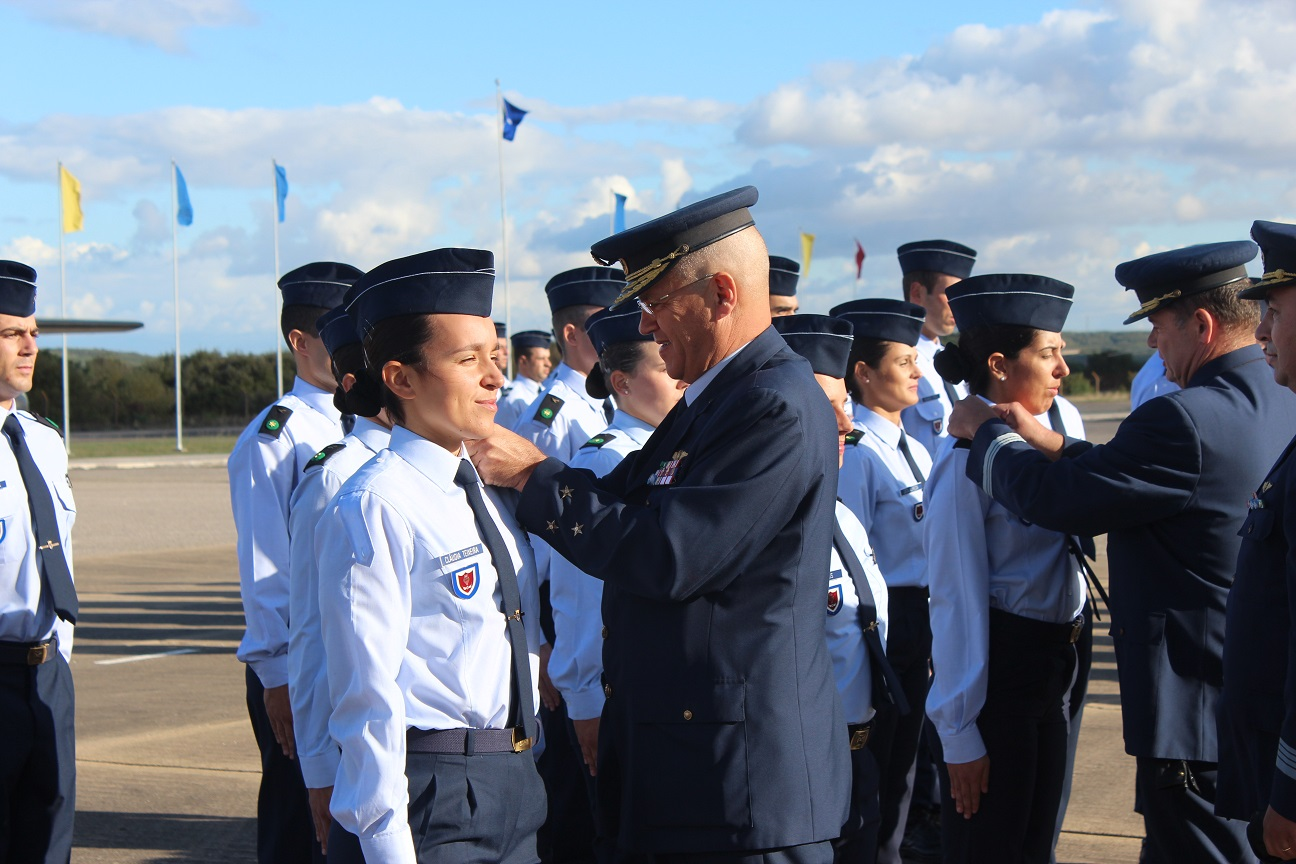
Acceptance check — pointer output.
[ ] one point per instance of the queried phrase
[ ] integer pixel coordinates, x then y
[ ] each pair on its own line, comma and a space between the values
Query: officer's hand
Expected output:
967, 417
549, 694
968, 782
1035, 433
279, 710
505, 459
1279, 835
319, 807
587, 735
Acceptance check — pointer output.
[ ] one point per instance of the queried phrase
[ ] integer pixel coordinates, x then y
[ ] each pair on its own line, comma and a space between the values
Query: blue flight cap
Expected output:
824, 341
440, 282
888, 320
501, 331
607, 327
784, 273
322, 283
937, 256
647, 252
1166, 276
1278, 245
337, 329
524, 339
1015, 299
585, 286
17, 289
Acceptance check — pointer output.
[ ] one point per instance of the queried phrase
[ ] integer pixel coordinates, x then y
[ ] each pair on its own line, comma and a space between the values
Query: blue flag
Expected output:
512, 117
184, 210
281, 188
618, 221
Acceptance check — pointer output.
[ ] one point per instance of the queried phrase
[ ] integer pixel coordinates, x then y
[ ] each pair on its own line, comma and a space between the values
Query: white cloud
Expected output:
161, 23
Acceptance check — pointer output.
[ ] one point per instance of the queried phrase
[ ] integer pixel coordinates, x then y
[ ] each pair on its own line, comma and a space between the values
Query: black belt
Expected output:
28, 653
859, 734
466, 742
1016, 627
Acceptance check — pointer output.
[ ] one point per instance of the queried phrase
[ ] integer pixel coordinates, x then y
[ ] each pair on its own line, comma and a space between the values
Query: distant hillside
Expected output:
1132, 342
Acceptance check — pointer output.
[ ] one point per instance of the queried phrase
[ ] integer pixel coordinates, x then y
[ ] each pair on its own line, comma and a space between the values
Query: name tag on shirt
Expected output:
930, 398
908, 489
455, 557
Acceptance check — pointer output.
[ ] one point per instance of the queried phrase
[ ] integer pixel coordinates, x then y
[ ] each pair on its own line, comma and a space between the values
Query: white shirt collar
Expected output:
370, 434
928, 347
432, 460
576, 382
636, 430
695, 389
320, 400
880, 427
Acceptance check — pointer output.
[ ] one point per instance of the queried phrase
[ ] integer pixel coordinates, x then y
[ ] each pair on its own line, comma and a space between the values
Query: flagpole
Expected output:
612, 213
274, 221
499, 146
175, 282
67, 429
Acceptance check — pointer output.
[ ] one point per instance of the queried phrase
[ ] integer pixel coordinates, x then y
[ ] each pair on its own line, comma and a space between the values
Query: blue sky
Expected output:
1055, 137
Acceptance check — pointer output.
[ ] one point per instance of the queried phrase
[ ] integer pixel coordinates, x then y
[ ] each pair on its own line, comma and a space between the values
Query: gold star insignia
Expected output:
551, 526
576, 529
566, 492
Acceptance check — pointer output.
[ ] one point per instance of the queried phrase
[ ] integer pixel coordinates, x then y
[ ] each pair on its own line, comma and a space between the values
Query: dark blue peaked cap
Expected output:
501, 330
337, 329
824, 341
1016, 299
784, 273
938, 256
1278, 245
584, 286
888, 320
17, 289
647, 252
323, 283
607, 327
525, 339
1166, 276
440, 282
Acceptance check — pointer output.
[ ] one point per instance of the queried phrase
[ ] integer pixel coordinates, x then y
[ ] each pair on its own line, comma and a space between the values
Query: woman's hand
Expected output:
968, 782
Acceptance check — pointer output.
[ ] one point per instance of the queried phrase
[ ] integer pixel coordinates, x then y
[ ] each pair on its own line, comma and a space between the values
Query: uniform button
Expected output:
607, 690
688, 715
604, 632
1122, 631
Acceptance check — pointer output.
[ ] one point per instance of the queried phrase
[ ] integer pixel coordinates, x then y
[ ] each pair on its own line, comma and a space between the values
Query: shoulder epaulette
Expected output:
550, 405
853, 437
275, 420
598, 440
48, 422
323, 456
962, 444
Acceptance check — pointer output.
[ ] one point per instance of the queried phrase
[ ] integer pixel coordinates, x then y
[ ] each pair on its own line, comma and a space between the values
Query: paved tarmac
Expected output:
167, 767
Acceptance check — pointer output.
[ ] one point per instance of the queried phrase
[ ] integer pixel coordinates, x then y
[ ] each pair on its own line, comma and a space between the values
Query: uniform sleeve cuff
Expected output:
584, 704
961, 747
273, 671
320, 771
1282, 797
392, 847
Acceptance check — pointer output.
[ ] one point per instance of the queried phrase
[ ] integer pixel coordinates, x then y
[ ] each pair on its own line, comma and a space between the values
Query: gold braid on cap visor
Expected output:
1275, 276
1151, 305
644, 276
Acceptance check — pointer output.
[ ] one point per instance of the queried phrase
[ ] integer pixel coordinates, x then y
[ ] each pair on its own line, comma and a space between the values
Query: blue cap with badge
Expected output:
1164, 277
937, 256
1015, 299
17, 289
608, 327
584, 286
441, 282
784, 273
647, 252
337, 330
887, 320
322, 283
824, 341
524, 339
1277, 242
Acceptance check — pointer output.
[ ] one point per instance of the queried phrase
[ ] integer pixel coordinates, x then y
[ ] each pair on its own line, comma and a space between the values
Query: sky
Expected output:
1058, 138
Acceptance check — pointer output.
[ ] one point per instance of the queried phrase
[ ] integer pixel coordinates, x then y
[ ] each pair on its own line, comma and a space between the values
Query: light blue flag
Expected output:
618, 221
512, 117
184, 210
281, 188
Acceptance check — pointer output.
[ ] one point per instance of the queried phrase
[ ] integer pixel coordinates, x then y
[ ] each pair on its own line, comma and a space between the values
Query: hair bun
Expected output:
952, 364
364, 399
596, 383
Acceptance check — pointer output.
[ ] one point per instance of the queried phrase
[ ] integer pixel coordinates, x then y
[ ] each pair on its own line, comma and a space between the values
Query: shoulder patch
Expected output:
962, 444
853, 437
275, 420
323, 456
48, 422
550, 405
598, 440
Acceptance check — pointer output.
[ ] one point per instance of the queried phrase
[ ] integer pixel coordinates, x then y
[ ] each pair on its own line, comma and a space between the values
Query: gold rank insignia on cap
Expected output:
646, 275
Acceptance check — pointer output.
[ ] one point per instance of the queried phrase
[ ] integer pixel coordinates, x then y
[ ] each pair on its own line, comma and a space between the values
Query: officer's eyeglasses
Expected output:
649, 309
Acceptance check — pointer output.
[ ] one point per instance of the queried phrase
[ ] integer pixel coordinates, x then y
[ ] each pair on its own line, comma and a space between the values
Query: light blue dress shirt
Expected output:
927, 421
521, 393
580, 418
851, 669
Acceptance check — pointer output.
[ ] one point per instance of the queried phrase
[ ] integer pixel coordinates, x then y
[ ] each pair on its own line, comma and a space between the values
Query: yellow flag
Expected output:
807, 247
71, 192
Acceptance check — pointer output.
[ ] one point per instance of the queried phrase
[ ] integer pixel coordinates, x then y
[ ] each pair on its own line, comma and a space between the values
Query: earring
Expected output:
1003, 377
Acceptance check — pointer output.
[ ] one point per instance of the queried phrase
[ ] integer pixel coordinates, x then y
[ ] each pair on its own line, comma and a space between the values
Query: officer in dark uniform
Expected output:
722, 737
784, 275
1257, 709
1168, 490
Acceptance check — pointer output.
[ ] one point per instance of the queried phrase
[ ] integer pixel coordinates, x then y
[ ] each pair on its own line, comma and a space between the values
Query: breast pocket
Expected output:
13, 531
64, 501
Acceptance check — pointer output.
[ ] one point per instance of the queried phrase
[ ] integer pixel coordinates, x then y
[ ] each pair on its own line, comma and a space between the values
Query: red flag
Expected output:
859, 260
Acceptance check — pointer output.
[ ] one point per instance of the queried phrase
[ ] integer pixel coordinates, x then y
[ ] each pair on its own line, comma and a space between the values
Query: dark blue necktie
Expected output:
608, 409
348, 423
909, 458
56, 578
886, 683
490, 533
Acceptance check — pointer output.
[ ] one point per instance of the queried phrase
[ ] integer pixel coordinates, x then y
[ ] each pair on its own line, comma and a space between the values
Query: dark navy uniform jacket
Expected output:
1170, 490
722, 729
1257, 711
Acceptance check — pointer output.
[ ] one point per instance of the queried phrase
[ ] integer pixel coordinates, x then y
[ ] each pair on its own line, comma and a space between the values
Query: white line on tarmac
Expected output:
146, 657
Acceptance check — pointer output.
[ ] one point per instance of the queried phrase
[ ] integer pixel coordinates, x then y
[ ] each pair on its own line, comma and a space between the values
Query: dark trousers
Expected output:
343, 846
894, 742
1075, 713
475, 809
1177, 800
37, 763
811, 853
285, 831
568, 833
859, 841
1024, 729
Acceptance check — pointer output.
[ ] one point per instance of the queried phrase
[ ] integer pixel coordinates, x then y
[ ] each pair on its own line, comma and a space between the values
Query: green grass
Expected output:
94, 448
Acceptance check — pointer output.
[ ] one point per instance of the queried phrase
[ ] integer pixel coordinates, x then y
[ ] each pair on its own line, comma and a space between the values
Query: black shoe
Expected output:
922, 839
